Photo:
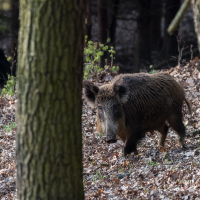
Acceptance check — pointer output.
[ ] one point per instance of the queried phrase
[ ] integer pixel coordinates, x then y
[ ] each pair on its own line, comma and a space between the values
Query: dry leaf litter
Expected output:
170, 173
7, 149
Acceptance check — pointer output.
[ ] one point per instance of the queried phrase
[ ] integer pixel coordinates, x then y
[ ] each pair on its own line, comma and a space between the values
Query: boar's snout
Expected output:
111, 138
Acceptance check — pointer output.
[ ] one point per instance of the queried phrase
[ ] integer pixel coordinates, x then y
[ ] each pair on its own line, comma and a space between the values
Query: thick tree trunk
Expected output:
49, 142
103, 30
88, 27
196, 11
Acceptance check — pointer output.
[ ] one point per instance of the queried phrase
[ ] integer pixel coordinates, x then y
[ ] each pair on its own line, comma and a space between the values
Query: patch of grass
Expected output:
152, 163
100, 135
121, 170
145, 190
98, 176
10, 126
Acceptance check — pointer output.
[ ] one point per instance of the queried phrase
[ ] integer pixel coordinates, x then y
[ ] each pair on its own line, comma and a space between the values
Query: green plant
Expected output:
98, 176
164, 156
93, 163
131, 168
92, 54
145, 190
121, 170
152, 70
9, 58
152, 163
100, 135
10, 126
9, 88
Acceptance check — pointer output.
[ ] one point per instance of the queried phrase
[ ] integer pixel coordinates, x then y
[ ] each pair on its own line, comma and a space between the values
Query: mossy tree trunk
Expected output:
50, 60
196, 12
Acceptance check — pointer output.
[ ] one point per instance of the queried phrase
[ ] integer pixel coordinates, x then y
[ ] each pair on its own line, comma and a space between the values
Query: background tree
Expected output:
196, 12
112, 29
170, 44
102, 22
49, 142
88, 27
137, 29
155, 26
142, 53
15, 30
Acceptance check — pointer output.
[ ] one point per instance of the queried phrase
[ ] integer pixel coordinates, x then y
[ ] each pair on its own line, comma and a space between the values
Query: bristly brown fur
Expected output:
147, 101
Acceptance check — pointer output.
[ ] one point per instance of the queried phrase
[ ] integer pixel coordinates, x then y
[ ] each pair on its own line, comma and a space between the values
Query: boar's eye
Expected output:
100, 107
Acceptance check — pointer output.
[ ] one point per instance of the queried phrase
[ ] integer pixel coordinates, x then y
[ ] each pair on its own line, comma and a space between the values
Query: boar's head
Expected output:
109, 100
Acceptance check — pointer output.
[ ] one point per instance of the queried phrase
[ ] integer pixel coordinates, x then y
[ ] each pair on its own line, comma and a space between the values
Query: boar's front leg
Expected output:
131, 142
130, 146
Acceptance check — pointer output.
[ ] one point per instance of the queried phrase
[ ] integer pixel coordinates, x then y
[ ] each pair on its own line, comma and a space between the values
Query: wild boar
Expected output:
133, 104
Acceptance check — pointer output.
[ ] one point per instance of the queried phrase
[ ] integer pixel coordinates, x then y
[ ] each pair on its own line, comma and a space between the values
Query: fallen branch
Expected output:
179, 16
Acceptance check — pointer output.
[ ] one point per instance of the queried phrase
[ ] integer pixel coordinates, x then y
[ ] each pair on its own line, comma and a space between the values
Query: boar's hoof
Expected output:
111, 139
183, 147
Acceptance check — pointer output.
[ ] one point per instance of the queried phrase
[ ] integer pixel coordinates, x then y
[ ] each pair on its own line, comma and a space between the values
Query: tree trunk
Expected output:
156, 15
49, 139
89, 21
15, 22
115, 6
142, 54
170, 45
15, 30
103, 31
196, 12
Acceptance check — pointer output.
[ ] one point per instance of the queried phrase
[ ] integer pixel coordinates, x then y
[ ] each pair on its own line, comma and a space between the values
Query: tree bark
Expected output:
196, 12
170, 45
49, 139
115, 6
15, 22
15, 30
89, 21
156, 15
102, 22
142, 54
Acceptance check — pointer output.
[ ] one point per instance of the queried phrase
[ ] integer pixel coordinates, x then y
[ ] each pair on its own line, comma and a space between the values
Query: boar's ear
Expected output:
90, 92
122, 92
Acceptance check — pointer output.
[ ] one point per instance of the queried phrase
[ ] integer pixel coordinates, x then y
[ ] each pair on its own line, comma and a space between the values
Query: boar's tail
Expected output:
189, 106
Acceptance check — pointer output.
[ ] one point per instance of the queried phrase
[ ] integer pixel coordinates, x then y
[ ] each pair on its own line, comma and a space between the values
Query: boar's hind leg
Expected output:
163, 134
177, 124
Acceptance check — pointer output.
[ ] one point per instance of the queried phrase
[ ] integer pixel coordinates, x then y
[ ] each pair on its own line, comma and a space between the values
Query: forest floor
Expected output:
170, 173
